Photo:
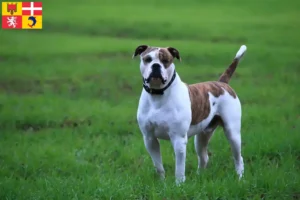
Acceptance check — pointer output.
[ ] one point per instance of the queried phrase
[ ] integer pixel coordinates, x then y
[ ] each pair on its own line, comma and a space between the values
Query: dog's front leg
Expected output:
153, 148
179, 144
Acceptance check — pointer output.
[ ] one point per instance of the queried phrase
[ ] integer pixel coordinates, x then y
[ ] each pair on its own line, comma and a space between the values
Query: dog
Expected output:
170, 109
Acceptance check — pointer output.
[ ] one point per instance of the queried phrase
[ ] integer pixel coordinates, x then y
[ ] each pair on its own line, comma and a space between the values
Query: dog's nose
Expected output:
155, 67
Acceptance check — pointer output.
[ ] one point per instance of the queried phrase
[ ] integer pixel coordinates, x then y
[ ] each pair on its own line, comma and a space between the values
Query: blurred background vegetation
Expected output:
69, 94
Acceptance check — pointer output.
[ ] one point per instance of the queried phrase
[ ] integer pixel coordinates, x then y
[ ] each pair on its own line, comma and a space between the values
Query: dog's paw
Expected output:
162, 177
241, 175
180, 180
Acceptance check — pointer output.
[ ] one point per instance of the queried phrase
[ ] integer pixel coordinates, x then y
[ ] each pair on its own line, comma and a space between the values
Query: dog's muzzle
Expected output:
155, 74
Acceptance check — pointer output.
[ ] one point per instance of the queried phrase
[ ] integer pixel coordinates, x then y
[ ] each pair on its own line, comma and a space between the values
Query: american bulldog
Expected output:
170, 109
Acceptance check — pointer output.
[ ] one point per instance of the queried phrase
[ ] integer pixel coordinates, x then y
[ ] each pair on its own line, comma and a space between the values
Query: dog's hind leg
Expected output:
231, 116
201, 141
232, 132
153, 148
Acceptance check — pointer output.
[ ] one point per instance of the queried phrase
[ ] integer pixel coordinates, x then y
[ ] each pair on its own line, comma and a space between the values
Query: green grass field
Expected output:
69, 95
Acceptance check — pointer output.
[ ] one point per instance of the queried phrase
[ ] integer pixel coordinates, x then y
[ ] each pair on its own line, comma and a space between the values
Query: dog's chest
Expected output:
158, 123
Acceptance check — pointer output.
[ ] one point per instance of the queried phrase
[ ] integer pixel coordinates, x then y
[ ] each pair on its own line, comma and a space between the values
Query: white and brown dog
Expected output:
172, 110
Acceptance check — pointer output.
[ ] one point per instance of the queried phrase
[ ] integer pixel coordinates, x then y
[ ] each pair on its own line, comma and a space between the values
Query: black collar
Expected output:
159, 91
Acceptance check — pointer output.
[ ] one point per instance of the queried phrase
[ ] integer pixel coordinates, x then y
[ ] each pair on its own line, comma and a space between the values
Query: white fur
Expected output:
241, 52
168, 117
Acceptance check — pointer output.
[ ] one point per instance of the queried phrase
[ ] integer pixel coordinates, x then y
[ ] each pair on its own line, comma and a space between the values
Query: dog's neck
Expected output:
167, 95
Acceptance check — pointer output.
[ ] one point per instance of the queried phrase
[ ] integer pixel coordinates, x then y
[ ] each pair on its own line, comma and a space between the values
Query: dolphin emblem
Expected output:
33, 19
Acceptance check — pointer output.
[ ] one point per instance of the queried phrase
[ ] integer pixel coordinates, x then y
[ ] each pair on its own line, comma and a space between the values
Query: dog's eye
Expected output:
148, 59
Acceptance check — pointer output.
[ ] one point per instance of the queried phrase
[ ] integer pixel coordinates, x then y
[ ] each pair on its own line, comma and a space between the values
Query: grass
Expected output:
69, 94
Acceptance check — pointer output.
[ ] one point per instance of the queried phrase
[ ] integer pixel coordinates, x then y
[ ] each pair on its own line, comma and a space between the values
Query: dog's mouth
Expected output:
155, 79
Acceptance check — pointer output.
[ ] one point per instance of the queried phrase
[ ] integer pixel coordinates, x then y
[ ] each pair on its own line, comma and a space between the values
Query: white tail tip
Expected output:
241, 52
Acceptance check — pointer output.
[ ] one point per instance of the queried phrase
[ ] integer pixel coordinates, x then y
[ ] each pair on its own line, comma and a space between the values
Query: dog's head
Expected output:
156, 64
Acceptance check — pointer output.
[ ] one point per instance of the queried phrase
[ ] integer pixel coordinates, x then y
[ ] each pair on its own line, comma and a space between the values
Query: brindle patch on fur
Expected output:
165, 57
200, 104
225, 77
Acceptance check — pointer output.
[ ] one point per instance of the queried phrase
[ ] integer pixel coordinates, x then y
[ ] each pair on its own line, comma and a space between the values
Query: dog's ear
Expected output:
174, 52
140, 49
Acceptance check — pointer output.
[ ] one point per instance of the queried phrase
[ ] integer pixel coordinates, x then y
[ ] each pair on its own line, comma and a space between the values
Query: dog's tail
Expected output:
225, 77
